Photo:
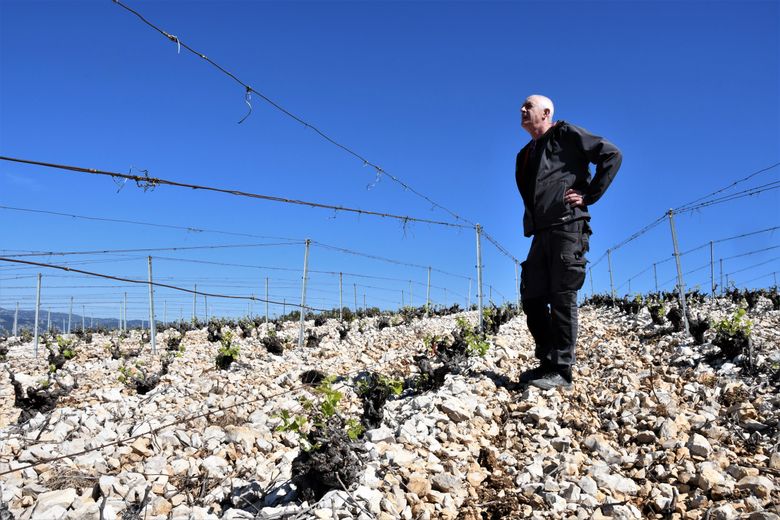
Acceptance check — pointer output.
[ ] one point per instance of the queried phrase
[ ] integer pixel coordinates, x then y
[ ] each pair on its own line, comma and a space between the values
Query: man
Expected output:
552, 174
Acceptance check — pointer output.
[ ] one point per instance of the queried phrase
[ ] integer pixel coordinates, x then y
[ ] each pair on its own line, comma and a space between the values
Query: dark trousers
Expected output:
552, 274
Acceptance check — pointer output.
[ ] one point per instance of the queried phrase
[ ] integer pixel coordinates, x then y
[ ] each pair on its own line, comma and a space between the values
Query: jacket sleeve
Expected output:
604, 155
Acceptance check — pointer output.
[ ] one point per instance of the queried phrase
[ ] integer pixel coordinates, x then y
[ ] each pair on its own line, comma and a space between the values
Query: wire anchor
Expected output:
248, 101
379, 172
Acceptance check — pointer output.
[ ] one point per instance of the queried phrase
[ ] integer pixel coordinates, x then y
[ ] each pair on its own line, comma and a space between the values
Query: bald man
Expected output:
552, 174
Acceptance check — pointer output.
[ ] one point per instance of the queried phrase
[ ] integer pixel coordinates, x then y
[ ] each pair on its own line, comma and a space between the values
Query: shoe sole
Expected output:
567, 386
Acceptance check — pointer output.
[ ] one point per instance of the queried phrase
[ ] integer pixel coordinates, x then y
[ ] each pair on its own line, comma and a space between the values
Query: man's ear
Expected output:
547, 112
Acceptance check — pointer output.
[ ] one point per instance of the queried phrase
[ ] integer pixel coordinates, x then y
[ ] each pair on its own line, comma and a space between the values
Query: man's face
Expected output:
532, 113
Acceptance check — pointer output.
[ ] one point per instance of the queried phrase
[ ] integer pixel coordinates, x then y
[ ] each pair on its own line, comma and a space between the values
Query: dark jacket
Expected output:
556, 162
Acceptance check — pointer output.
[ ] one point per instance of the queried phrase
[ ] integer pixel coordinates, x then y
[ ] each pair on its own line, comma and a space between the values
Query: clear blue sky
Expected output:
428, 90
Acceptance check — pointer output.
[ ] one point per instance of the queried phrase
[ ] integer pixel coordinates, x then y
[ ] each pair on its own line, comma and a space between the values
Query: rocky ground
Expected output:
655, 427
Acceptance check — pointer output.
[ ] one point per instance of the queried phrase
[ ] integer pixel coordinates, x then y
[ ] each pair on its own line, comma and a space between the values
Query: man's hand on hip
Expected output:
574, 198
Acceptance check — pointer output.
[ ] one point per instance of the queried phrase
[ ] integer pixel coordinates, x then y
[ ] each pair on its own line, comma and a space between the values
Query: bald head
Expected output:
537, 115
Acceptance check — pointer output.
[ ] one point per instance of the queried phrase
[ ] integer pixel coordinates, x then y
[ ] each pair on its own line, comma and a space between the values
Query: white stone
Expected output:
668, 430
616, 483
456, 385
596, 442
106, 483
112, 395
53, 512
380, 434
724, 512
61, 498
334, 499
400, 456
89, 511
588, 485
540, 413
369, 477
455, 410
557, 503
372, 497
571, 492
698, 445
240, 435
774, 461
214, 466
710, 475
447, 483
760, 486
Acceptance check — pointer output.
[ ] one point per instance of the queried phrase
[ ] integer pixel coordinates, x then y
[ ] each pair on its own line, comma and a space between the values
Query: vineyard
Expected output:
402, 416
208, 314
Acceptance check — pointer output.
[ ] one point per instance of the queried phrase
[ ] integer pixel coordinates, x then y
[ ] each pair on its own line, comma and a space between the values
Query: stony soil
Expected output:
655, 427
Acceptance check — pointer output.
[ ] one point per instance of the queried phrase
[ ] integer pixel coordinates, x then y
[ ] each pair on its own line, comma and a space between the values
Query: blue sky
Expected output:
430, 91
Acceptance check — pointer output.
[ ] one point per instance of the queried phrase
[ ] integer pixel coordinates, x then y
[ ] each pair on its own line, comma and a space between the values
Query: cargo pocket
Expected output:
523, 277
587, 231
573, 276
525, 288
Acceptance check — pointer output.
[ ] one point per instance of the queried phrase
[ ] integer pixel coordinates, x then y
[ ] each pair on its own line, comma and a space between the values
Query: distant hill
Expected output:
58, 320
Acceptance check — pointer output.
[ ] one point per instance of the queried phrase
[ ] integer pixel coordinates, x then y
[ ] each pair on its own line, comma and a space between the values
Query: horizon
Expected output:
427, 92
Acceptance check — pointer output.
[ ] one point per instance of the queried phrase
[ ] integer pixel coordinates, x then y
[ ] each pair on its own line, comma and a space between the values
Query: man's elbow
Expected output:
617, 159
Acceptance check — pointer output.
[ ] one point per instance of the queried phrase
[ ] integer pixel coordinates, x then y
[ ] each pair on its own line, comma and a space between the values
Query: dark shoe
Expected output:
534, 373
551, 380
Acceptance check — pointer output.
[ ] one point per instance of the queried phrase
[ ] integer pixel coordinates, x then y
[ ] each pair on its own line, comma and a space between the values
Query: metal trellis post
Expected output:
48, 320
712, 268
655, 277
517, 285
590, 271
152, 327
16, 320
266, 300
428, 294
70, 313
611, 278
37, 312
722, 287
303, 292
83, 317
354, 286
479, 277
341, 296
195, 303
680, 282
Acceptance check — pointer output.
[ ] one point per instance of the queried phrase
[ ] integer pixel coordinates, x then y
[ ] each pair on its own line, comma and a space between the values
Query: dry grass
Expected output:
71, 478
225, 418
